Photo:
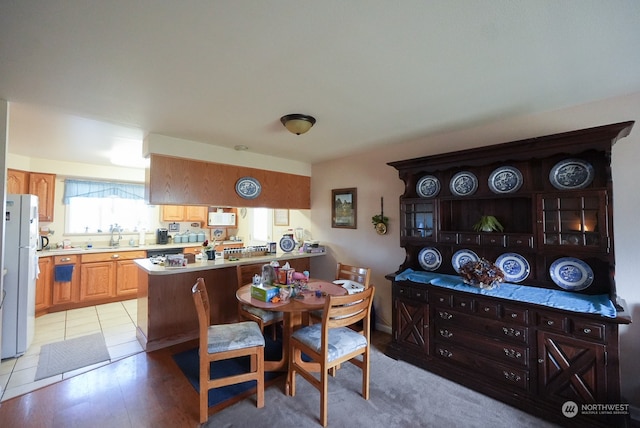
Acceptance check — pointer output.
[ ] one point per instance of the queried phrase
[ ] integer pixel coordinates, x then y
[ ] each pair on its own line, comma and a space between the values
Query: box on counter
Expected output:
264, 292
285, 276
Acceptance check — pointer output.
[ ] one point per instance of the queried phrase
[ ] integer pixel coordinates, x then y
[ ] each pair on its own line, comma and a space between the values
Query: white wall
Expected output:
370, 174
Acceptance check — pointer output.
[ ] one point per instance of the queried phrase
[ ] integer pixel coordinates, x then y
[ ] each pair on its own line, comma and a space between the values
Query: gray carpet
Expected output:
401, 395
72, 354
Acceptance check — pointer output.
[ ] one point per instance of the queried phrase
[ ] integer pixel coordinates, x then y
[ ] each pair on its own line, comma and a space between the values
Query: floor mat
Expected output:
67, 355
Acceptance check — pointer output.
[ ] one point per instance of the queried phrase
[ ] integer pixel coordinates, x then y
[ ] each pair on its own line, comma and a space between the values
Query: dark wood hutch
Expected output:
529, 355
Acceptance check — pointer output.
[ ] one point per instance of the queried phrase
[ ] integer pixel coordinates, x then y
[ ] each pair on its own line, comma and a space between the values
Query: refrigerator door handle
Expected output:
4, 294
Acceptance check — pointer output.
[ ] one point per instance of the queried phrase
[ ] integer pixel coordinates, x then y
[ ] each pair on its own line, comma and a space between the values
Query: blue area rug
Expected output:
189, 364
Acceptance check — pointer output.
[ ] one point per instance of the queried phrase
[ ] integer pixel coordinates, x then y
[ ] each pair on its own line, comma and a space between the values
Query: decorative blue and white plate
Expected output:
430, 258
248, 188
515, 267
571, 274
571, 174
428, 186
464, 183
287, 244
505, 179
462, 257
217, 233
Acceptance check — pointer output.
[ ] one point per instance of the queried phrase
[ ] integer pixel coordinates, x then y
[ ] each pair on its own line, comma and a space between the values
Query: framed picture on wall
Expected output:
280, 217
344, 208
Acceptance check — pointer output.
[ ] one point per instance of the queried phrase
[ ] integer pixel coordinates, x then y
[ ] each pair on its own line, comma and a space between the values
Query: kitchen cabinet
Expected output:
66, 293
43, 285
43, 186
35, 183
105, 276
552, 195
17, 181
185, 213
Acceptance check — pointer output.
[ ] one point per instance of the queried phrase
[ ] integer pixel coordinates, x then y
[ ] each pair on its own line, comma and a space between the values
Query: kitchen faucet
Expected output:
115, 242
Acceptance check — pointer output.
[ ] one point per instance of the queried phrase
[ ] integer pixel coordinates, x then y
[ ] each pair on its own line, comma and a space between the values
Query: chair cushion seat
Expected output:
342, 340
265, 316
227, 337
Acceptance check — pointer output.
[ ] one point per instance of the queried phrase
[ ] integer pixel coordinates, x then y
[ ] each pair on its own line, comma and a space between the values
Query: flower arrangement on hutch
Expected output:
482, 274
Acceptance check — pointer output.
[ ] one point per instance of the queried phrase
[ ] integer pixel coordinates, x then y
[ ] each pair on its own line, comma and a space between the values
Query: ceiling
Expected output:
87, 79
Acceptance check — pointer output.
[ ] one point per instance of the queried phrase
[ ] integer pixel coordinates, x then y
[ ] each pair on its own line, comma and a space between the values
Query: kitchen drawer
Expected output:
65, 260
445, 317
503, 351
519, 315
403, 291
482, 366
589, 330
521, 241
419, 294
113, 255
493, 239
488, 309
448, 238
469, 238
552, 322
463, 303
442, 299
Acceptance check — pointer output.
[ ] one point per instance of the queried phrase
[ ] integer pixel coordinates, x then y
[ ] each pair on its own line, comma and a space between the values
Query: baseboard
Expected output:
384, 328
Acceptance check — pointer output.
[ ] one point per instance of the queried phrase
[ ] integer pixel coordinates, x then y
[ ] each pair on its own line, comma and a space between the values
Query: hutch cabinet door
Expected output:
570, 369
412, 325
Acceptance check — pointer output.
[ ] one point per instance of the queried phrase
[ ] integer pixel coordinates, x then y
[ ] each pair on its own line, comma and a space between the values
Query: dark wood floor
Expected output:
144, 390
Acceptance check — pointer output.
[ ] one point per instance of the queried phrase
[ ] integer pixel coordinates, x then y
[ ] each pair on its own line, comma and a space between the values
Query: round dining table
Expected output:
293, 310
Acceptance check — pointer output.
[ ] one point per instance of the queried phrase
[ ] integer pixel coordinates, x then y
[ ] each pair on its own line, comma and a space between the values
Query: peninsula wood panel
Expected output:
178, 181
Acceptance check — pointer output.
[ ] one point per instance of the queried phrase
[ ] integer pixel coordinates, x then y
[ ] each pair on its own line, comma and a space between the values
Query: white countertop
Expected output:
219, 263
102, 249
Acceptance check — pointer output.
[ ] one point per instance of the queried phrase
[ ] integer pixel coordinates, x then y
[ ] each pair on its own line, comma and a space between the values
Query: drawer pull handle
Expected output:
512, 353
511, 332
463, 304
115, 256
445, 333
445, 315
514, 315
587, 330
418, 294
445, 353
487, 309
518, 241
65, 259
511, 376
550, 322
540, 360
441, 299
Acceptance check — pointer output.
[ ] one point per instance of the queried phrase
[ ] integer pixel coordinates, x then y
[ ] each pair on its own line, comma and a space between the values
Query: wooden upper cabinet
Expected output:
184, 213
171, 180
43, 186
17, 182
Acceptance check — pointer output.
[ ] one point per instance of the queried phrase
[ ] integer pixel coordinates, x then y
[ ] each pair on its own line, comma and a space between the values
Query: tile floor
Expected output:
116, 321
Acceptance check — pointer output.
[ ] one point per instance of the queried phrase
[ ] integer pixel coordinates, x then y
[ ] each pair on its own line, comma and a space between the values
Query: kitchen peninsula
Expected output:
166, 313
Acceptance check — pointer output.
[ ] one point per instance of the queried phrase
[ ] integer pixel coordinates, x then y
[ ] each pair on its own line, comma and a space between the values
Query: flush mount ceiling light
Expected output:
298, 123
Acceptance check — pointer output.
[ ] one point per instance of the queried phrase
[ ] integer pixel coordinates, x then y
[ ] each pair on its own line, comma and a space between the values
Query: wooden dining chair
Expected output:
332, 343
361, 275
250, 313
222, 342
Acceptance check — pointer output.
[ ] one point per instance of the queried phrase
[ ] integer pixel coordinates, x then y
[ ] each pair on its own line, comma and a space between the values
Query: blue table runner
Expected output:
590, 304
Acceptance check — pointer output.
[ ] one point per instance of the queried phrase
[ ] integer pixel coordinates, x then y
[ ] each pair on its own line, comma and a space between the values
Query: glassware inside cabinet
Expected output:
418, 219
574, 220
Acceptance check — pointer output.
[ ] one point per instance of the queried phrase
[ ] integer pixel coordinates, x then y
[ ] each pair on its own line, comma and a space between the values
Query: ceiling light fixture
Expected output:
298, 123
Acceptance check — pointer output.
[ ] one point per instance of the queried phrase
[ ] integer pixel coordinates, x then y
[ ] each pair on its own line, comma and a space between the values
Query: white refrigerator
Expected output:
21, 264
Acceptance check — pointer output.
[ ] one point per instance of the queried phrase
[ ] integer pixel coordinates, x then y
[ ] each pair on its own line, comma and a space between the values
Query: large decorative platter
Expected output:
248, 188
430, 258
464, 183
287, 244
428, 186
461, 257
571, 274
571, 174
515, 267
505, 179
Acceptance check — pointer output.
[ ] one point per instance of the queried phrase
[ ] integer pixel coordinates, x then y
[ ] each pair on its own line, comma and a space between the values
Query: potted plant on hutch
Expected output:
488, 223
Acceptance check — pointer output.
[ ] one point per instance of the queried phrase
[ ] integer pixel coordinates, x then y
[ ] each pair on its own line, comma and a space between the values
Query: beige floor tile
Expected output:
41, 339
82, 330
58, 325
51, 318
124, 350
119, 329
26, 361
113, 322
4, 379
23, 389
81, 313
22, 377
6, 367
117, 339
72, 323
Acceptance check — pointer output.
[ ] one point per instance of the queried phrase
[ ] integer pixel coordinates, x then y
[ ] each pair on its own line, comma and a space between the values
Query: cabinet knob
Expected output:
540, 360
587, 330
445, 333
550, 322
518, 241
445, 315
463, 304
115, 256
514, 315
445, 353
487, 309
